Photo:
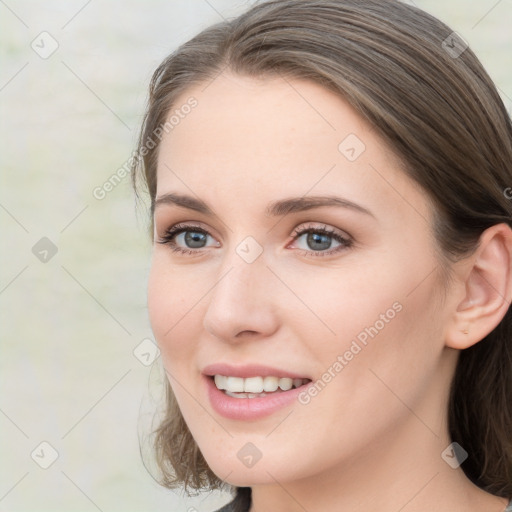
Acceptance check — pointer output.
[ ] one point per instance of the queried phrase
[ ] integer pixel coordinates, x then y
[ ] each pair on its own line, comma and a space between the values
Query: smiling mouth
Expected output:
256, 387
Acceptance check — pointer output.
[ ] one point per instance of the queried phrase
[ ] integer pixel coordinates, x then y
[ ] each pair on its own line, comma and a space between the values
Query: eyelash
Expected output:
177, 229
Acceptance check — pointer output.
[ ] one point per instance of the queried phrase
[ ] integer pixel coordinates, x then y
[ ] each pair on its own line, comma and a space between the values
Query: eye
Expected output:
321, 241
186, 238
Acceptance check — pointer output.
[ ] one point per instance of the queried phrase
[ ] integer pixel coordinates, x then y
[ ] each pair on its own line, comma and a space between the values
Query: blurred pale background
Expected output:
75, 337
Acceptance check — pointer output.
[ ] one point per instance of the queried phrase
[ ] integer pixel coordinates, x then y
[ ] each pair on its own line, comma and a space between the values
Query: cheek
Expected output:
380, 314
337, 304
373, 366
387, 343
173, 306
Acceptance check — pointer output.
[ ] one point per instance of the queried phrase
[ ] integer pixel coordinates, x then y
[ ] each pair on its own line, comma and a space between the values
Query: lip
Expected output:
249, 408
249, 370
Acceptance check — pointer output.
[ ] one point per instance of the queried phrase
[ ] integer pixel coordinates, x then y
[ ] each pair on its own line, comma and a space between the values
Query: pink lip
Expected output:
249, 408
250, 370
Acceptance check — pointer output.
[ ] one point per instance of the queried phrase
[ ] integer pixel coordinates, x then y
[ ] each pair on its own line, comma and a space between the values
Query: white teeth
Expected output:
285, 383
255, 386
270, 383
220, 381
235, 384
245, 395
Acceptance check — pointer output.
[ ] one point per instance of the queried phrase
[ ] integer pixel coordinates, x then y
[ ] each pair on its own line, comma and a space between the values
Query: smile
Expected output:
256, 387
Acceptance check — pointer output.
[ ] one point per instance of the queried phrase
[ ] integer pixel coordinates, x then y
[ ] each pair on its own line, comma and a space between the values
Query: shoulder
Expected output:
229, 508
241, 502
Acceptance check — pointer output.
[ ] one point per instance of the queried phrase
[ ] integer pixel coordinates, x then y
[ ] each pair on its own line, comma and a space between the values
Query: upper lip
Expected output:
249, 370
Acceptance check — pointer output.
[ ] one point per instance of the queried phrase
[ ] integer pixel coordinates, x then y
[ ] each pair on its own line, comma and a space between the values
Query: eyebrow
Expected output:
274, 209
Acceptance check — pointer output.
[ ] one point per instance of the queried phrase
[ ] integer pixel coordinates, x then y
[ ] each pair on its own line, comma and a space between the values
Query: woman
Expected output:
331, 270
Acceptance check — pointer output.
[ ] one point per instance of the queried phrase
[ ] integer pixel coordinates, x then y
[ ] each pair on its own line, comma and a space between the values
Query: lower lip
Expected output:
249, 408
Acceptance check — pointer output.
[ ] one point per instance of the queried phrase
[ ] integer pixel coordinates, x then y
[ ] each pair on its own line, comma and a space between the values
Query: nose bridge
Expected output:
241, 298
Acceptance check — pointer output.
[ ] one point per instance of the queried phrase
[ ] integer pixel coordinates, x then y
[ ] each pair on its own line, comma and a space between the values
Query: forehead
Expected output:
268, 137
262, 116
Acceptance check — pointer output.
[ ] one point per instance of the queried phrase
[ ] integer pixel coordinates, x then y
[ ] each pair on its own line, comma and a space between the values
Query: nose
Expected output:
242, 304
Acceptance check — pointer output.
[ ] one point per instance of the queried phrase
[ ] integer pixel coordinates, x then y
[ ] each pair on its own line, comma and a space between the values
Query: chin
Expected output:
239, 472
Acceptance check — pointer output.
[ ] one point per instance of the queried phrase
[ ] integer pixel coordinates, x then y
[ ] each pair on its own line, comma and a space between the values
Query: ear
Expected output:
484, 287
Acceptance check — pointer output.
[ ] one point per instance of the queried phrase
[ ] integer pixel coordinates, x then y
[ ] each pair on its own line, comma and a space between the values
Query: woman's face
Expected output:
270, 279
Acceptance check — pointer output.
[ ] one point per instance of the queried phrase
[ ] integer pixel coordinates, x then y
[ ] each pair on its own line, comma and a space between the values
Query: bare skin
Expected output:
372, 439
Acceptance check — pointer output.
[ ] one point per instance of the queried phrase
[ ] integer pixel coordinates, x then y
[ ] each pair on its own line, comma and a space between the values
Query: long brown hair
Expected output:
429, 97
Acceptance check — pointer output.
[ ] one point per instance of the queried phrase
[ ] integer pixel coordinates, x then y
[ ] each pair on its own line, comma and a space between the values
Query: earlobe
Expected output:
487, 289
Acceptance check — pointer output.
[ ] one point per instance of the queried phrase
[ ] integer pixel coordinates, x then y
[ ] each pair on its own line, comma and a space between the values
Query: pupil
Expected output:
195, 240
321, 241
